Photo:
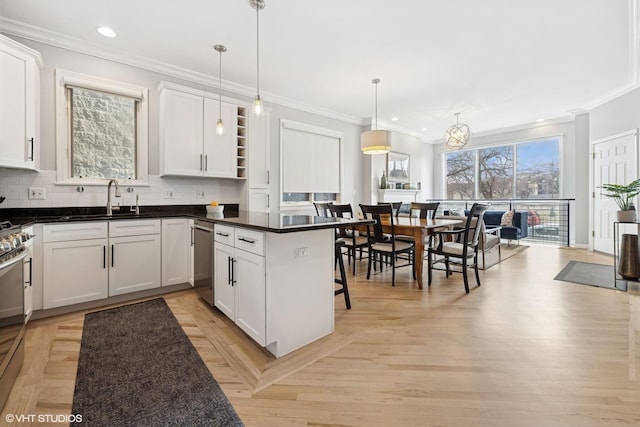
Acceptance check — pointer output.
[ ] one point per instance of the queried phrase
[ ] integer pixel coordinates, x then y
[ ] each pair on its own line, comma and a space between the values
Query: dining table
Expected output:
420, 229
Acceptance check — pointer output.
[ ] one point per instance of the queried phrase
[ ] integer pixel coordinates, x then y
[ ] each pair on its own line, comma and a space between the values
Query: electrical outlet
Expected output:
301, 252
200, 194
36, 193
168, 194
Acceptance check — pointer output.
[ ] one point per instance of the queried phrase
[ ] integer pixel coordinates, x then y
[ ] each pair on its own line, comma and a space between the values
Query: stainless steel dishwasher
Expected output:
203, 259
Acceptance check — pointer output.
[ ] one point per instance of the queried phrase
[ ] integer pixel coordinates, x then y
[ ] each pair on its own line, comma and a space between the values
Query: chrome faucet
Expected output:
110, 209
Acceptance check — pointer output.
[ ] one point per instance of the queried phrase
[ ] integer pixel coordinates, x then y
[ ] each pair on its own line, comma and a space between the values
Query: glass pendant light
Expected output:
220, 125
257, 102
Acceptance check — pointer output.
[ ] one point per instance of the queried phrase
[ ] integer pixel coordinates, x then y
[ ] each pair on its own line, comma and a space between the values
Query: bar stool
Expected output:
343, 275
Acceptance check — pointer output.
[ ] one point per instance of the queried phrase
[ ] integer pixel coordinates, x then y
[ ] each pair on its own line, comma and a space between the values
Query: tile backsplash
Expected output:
15, 184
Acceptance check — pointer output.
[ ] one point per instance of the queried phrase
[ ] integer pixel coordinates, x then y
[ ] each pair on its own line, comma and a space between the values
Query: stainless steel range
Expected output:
15, 269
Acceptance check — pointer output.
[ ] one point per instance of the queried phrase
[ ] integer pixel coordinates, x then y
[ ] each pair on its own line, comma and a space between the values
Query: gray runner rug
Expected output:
137, 367
586, 273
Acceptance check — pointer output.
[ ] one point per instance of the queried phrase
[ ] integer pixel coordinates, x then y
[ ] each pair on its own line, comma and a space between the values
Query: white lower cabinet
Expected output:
86, 261
239, 281
74, 271
134, 263
176, 251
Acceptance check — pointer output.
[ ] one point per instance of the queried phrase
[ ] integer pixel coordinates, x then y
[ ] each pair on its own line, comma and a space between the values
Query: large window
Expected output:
101, 130
311, 163
523, 170
103, 136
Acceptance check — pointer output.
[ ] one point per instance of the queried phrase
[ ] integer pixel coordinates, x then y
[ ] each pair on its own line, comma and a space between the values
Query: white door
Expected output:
614, 162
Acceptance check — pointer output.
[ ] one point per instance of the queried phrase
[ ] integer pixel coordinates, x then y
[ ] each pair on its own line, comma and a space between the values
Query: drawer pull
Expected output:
244, 239
222, 234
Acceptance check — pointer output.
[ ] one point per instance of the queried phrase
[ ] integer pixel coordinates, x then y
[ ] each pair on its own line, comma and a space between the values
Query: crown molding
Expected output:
52, 38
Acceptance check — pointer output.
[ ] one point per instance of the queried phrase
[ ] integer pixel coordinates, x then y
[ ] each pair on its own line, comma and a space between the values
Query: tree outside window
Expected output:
461, 173
496, 172
531, 169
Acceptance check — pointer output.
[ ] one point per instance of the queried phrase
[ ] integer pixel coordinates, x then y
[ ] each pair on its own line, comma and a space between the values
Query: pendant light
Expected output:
220, 125
457, 136
375, 141
257, 102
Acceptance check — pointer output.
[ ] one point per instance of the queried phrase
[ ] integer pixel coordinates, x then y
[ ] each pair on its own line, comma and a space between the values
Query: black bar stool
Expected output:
343, 276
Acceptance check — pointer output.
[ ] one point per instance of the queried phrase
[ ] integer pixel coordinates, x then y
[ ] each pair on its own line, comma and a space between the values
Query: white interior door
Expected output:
614, 162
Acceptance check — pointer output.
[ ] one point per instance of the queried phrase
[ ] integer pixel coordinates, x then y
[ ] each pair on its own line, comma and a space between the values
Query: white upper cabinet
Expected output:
259, 150
19, 105
189, 143
181, 131
219, 150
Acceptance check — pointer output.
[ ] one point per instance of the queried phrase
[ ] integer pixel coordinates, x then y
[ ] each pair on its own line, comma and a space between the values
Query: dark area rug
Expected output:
137, 367
586, 273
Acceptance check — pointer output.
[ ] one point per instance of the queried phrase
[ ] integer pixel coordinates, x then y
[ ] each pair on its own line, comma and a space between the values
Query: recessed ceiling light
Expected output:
394, 119
424, 129
539, 120
107, 32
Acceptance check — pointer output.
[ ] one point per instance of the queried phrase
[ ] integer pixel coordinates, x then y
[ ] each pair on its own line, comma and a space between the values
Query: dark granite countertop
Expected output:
282, 223
272, 222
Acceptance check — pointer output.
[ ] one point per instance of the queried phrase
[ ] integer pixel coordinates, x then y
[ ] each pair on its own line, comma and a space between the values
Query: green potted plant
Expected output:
623, 196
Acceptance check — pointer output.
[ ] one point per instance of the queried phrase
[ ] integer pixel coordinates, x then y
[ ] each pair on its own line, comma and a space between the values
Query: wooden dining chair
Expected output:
424, 210
353, 241
380, 245
463, 250
322, 208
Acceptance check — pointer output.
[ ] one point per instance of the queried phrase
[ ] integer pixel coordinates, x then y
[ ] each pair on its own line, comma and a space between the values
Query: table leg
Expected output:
419, 255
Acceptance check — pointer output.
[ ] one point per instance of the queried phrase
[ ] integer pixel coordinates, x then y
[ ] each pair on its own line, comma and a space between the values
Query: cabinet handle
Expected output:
267, 177
219, 233
193, 235
32, 153
104, 257
200, 161
233, 272
112, 257
244, 239
228, 270
268, 201
30, 261
206, 162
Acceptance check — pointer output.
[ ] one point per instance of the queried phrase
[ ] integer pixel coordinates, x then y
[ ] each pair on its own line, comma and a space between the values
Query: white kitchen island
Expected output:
274, 276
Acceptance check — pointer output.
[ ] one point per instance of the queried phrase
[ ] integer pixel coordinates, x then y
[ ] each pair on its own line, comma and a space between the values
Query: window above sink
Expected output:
101, 131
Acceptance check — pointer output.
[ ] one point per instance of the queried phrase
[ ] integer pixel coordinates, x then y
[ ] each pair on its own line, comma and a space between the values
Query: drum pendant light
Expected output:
375, 141
220, 125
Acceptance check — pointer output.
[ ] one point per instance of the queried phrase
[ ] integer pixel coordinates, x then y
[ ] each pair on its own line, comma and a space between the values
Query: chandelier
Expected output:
457, 136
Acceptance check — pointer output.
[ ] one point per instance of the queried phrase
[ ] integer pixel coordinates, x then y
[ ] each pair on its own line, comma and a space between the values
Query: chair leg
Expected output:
393, 270
476, 269
342, 281
429, 266
369, 266
412, 255
464, 275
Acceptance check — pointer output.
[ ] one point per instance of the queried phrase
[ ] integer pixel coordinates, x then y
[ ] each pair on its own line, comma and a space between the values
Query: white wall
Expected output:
14, 183
420, 166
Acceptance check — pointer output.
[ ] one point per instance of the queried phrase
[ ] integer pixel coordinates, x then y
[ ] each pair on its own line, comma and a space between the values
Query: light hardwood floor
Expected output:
521, 350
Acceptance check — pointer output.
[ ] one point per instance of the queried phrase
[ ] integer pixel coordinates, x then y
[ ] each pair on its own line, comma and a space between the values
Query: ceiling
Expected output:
499, 63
